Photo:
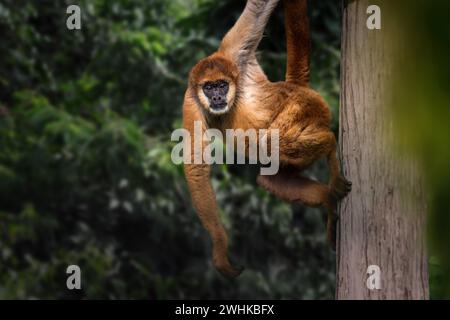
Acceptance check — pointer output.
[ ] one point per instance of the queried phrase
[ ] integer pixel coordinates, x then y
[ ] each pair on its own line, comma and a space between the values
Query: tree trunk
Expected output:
382, 220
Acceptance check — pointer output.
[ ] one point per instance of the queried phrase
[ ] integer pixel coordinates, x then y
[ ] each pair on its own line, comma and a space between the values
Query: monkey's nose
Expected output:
217, 98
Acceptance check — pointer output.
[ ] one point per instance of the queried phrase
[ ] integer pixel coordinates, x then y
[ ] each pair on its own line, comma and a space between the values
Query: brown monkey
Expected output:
229, 90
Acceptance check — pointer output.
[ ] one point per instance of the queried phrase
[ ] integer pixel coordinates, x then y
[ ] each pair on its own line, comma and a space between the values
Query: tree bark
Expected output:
382, 220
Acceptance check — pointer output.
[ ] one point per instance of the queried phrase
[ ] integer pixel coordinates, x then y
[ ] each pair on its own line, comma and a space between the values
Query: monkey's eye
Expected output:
223, 85
207, 87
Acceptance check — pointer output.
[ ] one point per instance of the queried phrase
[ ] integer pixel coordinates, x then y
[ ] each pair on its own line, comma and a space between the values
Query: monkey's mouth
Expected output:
217, 107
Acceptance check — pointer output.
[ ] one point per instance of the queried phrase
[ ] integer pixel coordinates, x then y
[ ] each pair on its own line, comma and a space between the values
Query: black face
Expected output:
216, 92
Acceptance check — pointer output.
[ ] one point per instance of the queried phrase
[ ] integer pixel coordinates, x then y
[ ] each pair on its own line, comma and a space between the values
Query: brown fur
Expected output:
301, 115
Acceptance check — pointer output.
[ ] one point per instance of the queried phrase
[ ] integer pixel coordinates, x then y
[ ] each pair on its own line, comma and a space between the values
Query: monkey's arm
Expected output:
241, 42
203, 197
298, 41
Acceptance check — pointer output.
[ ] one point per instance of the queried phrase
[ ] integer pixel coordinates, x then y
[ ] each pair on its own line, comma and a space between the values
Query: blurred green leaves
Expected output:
85, 170
421, 109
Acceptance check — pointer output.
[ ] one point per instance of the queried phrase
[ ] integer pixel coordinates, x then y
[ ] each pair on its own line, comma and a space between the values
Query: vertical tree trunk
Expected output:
382, 220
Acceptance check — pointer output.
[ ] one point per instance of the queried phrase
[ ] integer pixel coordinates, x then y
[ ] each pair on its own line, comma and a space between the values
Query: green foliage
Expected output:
421, 109
85, 170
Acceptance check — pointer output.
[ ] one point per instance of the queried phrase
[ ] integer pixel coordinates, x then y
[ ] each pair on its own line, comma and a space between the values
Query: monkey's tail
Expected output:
298, 41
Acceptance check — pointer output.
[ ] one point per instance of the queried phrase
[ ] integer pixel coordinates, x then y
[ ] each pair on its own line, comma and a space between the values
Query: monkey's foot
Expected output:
340, 188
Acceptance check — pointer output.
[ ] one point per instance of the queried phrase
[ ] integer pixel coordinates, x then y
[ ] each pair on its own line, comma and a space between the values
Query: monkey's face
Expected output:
214, 82
216, 93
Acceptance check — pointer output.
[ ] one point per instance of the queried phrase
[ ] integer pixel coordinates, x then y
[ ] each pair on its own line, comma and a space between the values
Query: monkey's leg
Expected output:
289, 186
302, 148
318, 144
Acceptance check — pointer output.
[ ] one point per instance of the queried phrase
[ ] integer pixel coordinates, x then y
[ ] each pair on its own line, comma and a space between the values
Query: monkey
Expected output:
229, 90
